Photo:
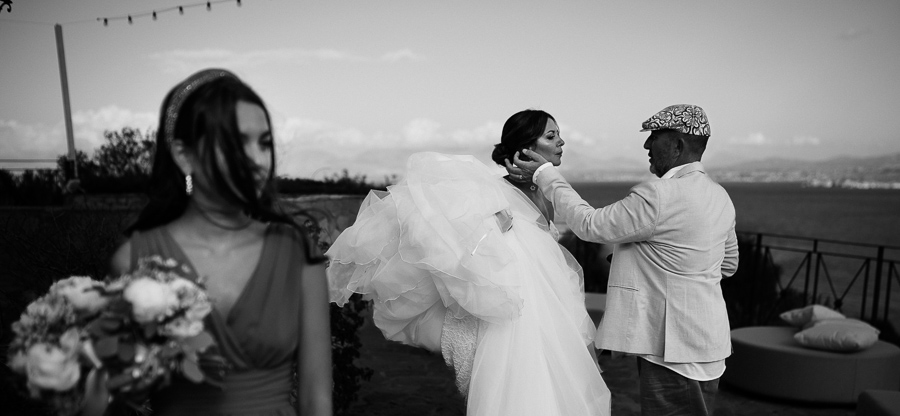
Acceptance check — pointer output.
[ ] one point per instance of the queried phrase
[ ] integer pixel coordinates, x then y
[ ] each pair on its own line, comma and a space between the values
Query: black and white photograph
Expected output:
463, 208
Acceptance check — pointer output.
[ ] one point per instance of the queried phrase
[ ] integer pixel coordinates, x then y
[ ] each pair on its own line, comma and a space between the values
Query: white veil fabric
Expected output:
437, 245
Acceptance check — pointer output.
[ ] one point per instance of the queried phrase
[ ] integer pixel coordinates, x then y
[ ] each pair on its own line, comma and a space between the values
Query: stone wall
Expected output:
333, 213
107, 201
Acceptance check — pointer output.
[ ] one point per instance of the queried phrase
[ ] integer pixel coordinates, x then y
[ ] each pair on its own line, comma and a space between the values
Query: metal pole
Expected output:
759, 284
67, 108
816, 275
877, 290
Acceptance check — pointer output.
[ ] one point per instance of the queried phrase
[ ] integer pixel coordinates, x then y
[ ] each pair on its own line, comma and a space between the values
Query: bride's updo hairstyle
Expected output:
520, 131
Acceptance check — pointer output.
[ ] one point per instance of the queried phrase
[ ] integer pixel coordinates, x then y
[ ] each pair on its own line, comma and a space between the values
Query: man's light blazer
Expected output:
674, 241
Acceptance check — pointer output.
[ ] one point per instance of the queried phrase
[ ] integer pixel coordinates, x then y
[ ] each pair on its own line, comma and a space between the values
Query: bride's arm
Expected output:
314, 355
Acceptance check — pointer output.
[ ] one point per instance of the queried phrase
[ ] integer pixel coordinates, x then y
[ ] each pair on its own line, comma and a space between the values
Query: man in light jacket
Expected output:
674, 242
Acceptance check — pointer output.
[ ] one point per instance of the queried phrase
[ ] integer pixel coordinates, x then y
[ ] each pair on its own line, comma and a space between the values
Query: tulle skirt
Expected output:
439, 244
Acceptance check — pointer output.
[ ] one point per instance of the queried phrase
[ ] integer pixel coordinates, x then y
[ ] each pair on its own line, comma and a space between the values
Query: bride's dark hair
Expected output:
520, 131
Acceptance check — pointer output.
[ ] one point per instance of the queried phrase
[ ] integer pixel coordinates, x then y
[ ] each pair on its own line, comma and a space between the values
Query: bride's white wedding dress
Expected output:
504, 305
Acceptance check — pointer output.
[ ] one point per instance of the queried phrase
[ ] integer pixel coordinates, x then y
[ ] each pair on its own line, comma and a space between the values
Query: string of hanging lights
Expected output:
154, 13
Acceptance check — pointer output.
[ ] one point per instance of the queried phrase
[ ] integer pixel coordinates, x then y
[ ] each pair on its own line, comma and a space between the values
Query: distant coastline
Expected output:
751, 177
880, 172
851, 184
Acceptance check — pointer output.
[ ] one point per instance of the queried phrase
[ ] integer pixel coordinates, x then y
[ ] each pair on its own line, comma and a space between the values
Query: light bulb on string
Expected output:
155, 13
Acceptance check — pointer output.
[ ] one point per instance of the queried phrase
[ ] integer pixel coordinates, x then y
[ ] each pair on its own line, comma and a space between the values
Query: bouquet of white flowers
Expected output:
140, 328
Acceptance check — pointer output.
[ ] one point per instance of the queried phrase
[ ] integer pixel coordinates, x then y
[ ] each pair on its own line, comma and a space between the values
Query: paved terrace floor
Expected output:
411, 381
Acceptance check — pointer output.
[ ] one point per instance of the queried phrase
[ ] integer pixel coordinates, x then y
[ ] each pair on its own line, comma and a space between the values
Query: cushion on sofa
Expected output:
844, 335
803, 316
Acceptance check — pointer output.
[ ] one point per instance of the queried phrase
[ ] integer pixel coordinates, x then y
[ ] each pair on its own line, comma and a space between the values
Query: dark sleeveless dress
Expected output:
259, 337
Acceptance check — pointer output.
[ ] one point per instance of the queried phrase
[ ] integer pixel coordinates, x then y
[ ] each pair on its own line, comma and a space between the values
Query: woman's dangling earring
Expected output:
188, 184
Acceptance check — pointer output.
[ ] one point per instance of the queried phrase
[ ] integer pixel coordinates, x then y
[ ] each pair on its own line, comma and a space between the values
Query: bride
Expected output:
462, 261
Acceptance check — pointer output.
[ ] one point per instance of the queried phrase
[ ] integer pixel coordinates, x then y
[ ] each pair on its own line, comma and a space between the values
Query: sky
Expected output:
360, 85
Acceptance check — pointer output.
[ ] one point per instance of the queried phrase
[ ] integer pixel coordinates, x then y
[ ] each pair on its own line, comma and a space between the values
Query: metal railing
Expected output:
830, 272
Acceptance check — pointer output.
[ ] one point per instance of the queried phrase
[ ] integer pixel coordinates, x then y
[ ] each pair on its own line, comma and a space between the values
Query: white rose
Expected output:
150, 300
51, 368
198, 310
192, 297
182, 328
46, 308
18, 362
180, 284
80, 292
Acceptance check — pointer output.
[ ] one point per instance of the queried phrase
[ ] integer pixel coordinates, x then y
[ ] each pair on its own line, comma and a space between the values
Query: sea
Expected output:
870, 216
867, 217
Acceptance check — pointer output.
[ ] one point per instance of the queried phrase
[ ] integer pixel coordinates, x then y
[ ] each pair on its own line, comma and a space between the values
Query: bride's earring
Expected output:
188, 185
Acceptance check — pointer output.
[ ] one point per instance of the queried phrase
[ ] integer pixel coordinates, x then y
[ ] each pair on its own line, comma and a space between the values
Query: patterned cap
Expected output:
686, 118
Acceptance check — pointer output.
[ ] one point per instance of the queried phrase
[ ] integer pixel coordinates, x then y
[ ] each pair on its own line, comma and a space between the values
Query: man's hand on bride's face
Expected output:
526, 167
513, 170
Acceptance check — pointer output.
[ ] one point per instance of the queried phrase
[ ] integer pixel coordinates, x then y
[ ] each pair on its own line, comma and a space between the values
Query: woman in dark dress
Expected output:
211, 208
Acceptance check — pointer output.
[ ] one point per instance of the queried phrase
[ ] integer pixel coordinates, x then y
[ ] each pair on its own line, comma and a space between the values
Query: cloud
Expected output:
89, 125
303, 132
307, 148
304, 147
422, 131
761, 145
402, 54
805, 140
315, 148
488, 132
31, 141
180, 61
580, 140
41, 141
752, 139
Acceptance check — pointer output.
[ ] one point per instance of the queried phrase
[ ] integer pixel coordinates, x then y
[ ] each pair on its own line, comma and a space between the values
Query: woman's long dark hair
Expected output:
520, 131
207, 124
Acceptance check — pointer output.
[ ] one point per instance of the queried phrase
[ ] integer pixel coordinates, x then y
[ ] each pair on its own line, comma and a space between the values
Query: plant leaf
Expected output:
199, 342
191, 371
119, 381
94, 328
106, 347
126, 352
150, 330
168, 351
109, 324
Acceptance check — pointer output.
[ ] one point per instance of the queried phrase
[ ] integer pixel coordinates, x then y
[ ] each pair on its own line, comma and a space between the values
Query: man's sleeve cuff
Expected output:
538, 171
